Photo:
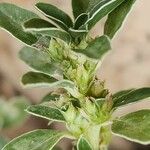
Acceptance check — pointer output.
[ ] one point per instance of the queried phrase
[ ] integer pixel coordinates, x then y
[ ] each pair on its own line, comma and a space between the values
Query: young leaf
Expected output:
131, 96
77, 33
83, 144
79, 7
52, 32
55, 14
41, 139
134, 127
100, 10
80, 20
12, 18
35, 79
37, 23
97, 48
39, 61
46, 112
116, 18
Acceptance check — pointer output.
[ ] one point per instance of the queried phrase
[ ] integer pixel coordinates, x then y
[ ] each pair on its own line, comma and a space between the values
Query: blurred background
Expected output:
127, 66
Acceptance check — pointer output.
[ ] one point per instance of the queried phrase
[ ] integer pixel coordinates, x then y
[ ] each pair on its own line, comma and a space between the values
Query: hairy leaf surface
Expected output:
35, 140
134, 127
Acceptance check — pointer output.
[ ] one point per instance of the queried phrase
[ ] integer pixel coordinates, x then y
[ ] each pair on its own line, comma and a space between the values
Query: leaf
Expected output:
77, 33
134, 127
121, 93
3, 142
47, 112
39, 61
12, 112
97, 48
83, 144
35, 79
131, 96
52, 32
116, 18
102, 9
42, 139
56, 15
50, 97
12, 18
80, 20
37, 23
92, 4
32, 78
79, 7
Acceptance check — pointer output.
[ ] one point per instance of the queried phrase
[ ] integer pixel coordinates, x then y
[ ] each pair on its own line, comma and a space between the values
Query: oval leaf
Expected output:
37, 23
83, 144
41, 139
39, 61
97, 48
80, 20
131, 96
12, 19
134, 127
79, 7
55, 14
100, 10
116, 18
34, 79
46, 112
52, 32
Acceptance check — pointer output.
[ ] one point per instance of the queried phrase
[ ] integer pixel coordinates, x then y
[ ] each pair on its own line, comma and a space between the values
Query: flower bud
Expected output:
97, 89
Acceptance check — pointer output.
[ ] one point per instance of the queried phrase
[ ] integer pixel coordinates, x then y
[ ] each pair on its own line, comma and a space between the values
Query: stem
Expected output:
103, 147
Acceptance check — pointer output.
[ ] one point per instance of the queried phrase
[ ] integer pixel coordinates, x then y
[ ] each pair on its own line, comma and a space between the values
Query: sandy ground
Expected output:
126, 66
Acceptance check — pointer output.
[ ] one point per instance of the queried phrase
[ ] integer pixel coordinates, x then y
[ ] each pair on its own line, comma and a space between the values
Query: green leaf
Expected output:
55, 14
12, 112
79, 7
131, 96
102, 9
46, 111
83, 144
97, 48
50, 97
37, 23
39, 61
80, 20
77, 33
12, 19
134, 127
52, 32
92, 4
116, 18
121, 93
3, 142
35, 79
41, 139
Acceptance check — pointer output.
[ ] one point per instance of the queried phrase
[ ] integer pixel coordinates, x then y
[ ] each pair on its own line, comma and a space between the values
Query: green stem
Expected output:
103, 147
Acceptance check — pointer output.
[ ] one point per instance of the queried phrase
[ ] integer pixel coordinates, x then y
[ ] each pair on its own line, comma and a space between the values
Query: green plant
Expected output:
11, 114
65, 57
